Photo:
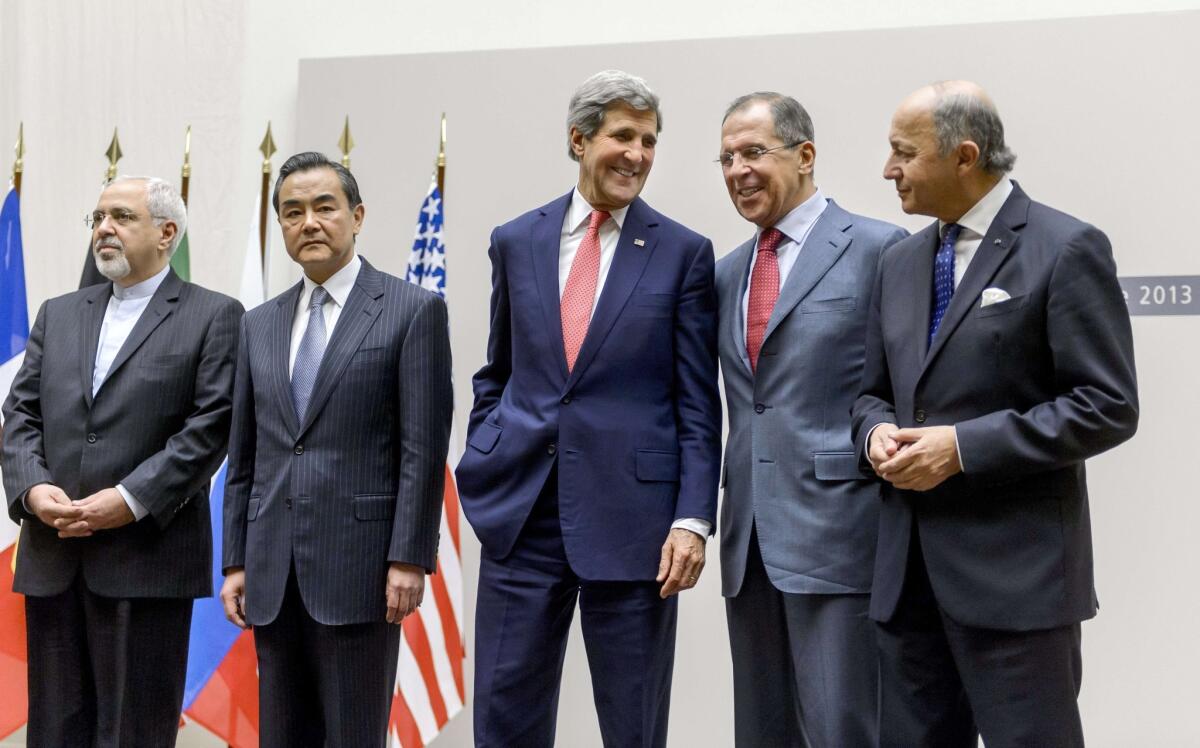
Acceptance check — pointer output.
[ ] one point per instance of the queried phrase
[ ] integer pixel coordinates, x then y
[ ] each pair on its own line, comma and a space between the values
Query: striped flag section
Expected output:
429, 679
14, 332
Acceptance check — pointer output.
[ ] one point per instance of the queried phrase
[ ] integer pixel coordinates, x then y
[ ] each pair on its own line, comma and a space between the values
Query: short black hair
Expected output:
310, 160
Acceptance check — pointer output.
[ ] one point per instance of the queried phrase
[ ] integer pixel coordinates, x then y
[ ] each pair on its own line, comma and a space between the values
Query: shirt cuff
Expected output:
701, 527
134, 505
958, 450
867, 445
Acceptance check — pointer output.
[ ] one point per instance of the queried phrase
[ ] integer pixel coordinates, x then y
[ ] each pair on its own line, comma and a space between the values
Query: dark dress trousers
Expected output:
799, 518
108, 615
572, 480
315, 510
981, 583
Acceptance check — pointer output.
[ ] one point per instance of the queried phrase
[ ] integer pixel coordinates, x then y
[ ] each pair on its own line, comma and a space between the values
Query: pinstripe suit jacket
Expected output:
358, 483
158, 426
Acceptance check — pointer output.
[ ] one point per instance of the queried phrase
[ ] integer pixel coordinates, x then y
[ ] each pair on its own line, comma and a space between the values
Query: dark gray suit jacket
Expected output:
358, 483
789, 459
158, 426
1034, 384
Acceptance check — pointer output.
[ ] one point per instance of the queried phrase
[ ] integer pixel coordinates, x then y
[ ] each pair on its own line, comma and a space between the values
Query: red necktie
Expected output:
764, 291
579, 295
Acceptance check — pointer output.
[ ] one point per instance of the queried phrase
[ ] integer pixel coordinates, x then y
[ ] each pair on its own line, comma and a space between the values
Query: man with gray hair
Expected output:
116, 421
798, 523
999, 358
592, 459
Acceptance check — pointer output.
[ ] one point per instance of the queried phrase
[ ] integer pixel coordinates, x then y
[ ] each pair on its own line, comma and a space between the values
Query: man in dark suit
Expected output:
116, 421
591, 468
337, 457
999, 358
799, 520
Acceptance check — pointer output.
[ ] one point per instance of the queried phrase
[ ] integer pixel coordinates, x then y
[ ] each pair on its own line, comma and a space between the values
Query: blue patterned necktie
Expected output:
943, 278
308, 356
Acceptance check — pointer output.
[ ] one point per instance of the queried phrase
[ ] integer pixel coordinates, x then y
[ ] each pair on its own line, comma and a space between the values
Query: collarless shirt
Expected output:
975, 223
795, 226
338, 286
125, 308
575, 226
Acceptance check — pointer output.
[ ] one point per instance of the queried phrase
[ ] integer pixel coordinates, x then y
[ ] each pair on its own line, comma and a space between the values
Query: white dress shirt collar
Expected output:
800, 219
979, 218
580, 210
338, 285
142, 289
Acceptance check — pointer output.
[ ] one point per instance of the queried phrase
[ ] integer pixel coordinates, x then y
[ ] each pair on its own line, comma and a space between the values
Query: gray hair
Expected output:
596, 94
164, 204
961, 116
792, 123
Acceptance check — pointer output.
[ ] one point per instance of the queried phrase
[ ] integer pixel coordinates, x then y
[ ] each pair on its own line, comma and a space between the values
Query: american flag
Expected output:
429, 680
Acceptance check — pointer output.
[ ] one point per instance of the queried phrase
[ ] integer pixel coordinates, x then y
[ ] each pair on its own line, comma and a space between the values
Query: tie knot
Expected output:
598, 217
319, 297
770, 240
950, 233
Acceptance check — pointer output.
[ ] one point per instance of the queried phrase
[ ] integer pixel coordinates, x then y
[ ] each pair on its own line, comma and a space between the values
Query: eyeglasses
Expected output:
119, 216
751, 154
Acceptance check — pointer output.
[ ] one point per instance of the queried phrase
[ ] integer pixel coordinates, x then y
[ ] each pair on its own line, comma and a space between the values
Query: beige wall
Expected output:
1097, 111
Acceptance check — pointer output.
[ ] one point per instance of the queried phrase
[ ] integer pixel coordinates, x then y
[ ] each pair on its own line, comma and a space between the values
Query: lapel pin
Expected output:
639, 242
997, 242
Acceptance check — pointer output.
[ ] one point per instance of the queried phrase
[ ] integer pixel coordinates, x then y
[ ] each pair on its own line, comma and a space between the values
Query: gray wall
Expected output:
1100, 112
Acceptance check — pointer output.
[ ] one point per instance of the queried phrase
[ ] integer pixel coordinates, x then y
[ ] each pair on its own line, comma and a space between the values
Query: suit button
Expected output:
91, 438
919, 416
550, 450
299, 450
288, 502
759, 407
566, 400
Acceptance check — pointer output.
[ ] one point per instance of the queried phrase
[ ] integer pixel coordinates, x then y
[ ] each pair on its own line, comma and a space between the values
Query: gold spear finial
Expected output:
187, 153
267, 148
346, 143
19, 164
441, 162
114, 155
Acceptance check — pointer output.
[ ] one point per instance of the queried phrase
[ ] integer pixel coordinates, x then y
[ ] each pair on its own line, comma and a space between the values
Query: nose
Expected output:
106, 227
310, 220
890, 169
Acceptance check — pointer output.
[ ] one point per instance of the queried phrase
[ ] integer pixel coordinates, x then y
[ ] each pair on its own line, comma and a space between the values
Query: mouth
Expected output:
745, 192
627, 173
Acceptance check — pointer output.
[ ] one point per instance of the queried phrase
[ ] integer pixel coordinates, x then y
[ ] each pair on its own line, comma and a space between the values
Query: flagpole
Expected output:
114, 155
19, 164
267, 148
185, 176
441, 160
346, 143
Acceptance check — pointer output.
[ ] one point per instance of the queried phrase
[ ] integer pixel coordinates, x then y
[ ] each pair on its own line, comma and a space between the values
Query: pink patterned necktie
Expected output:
579, 295
764, 292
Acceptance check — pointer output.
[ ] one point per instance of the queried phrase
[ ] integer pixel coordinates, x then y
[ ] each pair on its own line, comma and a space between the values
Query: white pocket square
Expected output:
993, 296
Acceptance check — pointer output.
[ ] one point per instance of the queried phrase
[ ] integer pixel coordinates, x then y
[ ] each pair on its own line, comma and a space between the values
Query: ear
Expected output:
808, 156
577, 142
359, 213
967, 155
169, 229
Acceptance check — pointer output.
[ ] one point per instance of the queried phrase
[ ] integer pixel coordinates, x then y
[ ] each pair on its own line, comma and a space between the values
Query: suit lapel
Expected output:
362, 308
629, 260
280, 342
94, 305
735, 321
544, 244
160, 307
825, 244
1000, 239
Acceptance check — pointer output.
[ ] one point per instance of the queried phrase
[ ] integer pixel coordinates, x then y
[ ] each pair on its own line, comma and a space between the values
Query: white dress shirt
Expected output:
975, 224
575, 226
338, 286
125, 308
796, 226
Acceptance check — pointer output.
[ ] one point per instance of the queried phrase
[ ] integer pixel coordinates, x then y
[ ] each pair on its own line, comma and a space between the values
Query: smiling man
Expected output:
999, 358
116, 421
590, 474
336, 468
798, 522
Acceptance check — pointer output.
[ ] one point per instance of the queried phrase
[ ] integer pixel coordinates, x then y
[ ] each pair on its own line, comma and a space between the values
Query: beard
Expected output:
114, 268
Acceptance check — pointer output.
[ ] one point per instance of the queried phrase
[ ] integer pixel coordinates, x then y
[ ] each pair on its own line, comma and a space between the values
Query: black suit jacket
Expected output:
1034, 384
358, 483
159, 426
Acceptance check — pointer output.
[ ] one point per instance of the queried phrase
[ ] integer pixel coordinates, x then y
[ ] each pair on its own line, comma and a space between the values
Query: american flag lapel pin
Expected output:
639, 242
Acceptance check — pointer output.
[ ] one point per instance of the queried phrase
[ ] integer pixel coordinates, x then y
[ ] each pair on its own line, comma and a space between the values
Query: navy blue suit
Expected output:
576, 477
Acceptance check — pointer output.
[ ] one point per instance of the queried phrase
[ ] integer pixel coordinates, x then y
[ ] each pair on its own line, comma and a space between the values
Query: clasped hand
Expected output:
914, 459
103, 510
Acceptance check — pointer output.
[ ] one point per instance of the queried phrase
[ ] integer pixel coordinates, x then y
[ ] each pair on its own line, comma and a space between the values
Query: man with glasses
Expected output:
337, 459
115, 423
799, 519
593, 452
